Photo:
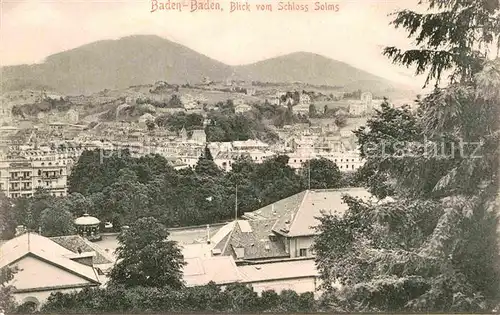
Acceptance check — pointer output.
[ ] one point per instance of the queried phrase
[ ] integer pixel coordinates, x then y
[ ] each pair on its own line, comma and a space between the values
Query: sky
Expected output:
31, 30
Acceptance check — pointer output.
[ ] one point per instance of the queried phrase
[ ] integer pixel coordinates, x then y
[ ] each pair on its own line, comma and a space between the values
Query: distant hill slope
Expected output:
144, 59
313, 69
115, 64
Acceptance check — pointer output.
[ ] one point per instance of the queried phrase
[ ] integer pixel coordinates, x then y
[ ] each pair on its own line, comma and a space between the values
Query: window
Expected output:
303, 252
352, 166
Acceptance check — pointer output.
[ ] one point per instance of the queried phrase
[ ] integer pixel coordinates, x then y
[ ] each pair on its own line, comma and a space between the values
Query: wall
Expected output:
297, 243
300, 285
40, 296
32, 269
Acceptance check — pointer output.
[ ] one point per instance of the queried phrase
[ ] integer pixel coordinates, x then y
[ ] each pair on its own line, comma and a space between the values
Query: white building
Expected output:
45, 267
242, 108
22, 175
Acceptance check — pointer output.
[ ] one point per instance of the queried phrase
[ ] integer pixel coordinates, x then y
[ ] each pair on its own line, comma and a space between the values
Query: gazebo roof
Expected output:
87, 220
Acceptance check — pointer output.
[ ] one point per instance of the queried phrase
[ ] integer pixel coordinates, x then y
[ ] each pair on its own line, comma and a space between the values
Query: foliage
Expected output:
322, 174
7, 218
451, 36
177, 121
236, 298
227, 126
7, 302
120, 189
57, 221
145, 257
433, 247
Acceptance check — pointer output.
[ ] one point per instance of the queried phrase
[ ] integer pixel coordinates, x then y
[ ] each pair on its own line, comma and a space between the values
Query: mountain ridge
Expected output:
145, 59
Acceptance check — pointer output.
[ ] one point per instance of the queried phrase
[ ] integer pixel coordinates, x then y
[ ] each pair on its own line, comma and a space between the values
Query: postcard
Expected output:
249, 156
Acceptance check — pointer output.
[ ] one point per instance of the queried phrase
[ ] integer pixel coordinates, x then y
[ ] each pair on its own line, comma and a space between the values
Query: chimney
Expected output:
240, 252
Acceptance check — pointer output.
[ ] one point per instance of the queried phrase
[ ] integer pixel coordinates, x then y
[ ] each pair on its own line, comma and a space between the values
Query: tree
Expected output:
147, 258
241, 298
451, 36
206, 164
322, 173
7, 217
434, 245
150, 125
340, 119
57, 220
7, 302
312, 111
174, 101
124, 201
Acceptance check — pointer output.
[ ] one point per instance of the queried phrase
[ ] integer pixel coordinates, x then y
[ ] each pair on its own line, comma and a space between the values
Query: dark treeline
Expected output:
208, 298
118, 188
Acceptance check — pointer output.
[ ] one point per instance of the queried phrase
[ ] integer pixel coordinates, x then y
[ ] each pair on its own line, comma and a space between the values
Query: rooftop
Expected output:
75, 242
87, 220
221, 270
45, 249
296, 215
278, 270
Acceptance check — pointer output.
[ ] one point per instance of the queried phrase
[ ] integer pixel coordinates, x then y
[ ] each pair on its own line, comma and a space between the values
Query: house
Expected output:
45, 267
248, 240
304, 99
199, 136
242, 108
282, 230
301, 109
250, 91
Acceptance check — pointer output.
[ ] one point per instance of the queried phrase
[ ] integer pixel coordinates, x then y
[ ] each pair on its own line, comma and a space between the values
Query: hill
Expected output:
115, 64
145, 59
313, 69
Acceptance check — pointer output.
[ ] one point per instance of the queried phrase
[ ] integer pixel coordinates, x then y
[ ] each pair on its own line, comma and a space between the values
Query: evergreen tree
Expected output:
433, 246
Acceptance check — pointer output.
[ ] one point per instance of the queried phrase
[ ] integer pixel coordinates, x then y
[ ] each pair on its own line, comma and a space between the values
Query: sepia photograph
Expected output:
251, 156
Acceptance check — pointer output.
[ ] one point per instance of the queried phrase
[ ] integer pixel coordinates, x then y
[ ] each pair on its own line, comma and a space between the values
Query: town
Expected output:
295, 184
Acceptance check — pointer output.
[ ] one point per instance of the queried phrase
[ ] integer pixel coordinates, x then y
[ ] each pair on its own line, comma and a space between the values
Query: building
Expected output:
45, 267
22, 175
199, 136
304, 99
201, 270
284, 229
301, 109
88, 227
242, 108
299, 275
